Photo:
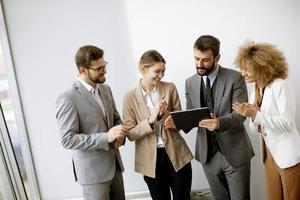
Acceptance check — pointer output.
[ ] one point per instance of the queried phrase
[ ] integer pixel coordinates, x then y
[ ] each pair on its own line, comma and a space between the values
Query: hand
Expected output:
210, 124
154, 114
115, 132
169, 123
162, 107
245, 109
119, 141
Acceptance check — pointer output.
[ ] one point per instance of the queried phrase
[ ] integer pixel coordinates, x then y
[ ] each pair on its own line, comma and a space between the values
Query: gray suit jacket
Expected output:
83, 128
231, 135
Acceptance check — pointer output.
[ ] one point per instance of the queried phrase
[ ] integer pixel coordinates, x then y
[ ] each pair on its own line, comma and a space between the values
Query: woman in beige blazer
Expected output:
272, 116
161, 154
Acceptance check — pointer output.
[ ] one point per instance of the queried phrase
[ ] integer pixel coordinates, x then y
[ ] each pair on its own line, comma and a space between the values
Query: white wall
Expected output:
172, 26
45, 36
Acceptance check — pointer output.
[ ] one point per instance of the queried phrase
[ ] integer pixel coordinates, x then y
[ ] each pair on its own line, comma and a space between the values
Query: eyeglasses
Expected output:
102, 68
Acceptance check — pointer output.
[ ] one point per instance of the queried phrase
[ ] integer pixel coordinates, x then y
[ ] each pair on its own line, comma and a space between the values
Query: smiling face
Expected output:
153, 74
248, 73
205, 61
95, 73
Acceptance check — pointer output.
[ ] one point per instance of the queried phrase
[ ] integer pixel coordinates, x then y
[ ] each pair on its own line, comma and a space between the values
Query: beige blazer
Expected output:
135, 116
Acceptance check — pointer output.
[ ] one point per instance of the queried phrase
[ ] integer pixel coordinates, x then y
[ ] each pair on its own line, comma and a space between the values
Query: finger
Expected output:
202, 123
154, 113
205, 121
124, 128
202, 126
123, 133
165, 105
169, 118
212, 115
120, 139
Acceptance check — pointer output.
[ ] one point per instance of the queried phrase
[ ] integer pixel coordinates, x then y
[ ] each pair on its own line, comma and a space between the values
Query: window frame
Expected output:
18, 110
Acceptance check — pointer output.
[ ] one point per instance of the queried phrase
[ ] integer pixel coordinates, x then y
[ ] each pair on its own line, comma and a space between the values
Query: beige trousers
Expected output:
281, 184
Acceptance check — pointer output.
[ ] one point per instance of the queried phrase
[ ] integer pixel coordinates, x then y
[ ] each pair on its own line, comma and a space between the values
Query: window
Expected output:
15, 157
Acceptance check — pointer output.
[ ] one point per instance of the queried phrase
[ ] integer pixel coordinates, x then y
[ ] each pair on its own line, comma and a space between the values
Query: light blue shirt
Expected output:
212, 76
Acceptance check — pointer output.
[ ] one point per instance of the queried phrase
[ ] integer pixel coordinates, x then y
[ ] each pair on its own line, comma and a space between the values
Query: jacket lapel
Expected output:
86, 95
196, 90
141, 101
220, 86
107, 105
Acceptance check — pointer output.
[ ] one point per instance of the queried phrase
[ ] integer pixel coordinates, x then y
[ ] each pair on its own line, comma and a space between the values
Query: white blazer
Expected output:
277, 120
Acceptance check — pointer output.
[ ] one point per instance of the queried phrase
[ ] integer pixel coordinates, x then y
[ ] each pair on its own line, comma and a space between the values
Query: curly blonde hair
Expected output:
265, 60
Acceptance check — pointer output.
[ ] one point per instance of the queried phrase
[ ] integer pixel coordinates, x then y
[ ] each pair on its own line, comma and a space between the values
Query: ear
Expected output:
142, 69
81, 70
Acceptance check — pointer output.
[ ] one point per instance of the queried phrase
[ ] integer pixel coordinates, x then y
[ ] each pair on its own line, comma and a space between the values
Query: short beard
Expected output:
208, 71
97, 81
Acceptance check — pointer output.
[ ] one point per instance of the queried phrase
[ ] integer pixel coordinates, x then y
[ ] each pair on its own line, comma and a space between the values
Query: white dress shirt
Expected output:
94, 93
151, 102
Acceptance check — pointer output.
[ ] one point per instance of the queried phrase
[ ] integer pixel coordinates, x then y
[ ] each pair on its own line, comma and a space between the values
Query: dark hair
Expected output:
206, 42
149, 58
86, 54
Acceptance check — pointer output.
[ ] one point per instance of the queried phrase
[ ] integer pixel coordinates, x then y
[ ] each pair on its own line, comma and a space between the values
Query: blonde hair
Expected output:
149, 58
265, 60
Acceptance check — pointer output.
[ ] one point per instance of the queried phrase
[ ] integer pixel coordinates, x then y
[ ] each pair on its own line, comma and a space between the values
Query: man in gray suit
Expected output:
91, 127
222, 146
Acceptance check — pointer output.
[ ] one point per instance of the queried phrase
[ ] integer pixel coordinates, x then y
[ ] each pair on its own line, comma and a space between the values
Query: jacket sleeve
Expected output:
135, 130
285, 104
68, 123
252, 127
188, 102
175, 100
240, 95
174, 103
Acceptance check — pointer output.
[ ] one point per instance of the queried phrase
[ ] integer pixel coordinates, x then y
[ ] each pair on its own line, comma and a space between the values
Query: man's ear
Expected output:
82, 69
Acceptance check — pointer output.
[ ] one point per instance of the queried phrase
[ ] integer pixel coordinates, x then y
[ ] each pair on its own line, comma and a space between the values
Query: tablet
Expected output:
190, 118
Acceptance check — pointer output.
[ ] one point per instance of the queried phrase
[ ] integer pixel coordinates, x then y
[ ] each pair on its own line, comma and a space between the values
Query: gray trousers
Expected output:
110, 190
227, 182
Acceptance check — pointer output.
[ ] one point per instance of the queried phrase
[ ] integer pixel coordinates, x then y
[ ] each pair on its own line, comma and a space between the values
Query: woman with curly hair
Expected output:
272, 115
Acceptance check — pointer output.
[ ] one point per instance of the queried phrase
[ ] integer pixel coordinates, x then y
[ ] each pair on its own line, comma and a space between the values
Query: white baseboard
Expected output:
138, 195
145, 195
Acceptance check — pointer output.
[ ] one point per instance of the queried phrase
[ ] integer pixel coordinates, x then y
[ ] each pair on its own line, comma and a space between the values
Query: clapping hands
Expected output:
245, 109
158, 110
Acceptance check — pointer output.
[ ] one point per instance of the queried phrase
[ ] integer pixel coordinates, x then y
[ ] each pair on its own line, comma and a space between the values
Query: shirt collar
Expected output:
144, 92
86, 85
212, 76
